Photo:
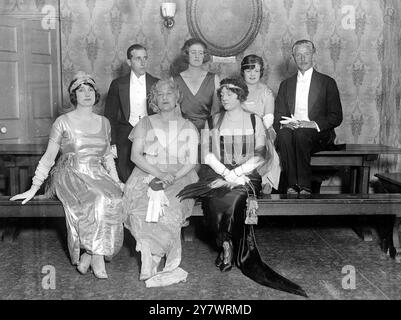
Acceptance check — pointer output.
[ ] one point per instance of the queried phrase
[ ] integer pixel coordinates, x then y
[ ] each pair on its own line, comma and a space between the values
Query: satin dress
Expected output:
162, 238
225, 209
92, 200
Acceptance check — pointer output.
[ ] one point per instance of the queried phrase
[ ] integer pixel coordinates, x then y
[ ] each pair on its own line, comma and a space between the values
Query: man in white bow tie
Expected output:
126, 104
307, 109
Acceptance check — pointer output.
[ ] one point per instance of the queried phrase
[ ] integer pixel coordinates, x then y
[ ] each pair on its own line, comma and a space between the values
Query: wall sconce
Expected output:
167, 10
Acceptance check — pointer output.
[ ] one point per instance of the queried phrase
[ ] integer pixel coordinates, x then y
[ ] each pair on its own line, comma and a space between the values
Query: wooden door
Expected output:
13, 111
29, 79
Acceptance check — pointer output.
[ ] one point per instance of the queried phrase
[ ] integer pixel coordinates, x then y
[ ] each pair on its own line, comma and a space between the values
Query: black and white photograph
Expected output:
203, 158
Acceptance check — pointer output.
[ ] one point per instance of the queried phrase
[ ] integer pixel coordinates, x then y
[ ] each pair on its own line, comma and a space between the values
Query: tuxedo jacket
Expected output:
118, 106
324, 104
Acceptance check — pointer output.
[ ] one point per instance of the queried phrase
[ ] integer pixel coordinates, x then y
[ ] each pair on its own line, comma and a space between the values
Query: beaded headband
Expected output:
250, 64
80, 78
231, 86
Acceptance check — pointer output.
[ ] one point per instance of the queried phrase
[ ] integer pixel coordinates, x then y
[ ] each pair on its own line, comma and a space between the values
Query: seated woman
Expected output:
229, 182
165, 153
85, 179
261, 102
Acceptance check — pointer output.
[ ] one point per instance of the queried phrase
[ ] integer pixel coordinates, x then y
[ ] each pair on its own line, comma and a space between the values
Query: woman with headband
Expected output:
261, 102
84, 179
233, 151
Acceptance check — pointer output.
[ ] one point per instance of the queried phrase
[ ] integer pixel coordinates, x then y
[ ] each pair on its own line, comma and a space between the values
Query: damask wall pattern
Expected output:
357, 53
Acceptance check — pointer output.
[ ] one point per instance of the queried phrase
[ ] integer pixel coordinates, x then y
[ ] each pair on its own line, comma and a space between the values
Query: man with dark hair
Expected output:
307, 109
126, 104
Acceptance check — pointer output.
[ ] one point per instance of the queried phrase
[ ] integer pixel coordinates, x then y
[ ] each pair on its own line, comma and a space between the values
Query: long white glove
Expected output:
248, 166
219, 168
157, 203
241, 180
216, 165
268, 120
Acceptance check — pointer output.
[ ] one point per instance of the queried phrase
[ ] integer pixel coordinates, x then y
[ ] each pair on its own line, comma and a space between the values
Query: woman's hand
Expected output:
233, 178
230, 176
167, 179
27, 195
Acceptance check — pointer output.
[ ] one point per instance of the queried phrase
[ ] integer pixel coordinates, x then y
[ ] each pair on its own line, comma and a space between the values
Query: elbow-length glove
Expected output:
42, 172
219, 168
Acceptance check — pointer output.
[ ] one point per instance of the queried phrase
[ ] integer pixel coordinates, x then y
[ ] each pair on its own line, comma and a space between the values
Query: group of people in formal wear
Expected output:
163, 144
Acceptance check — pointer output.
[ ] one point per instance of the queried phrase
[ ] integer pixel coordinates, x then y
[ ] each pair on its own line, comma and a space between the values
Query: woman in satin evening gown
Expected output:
165, 151
261, 102
85, 180
233, 153
197, 85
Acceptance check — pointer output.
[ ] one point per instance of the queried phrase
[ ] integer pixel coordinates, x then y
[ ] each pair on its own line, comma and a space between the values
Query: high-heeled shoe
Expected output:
98, 267
84, 263
227, 257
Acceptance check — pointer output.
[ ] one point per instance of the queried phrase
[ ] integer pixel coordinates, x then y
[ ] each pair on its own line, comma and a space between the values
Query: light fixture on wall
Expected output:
167, 10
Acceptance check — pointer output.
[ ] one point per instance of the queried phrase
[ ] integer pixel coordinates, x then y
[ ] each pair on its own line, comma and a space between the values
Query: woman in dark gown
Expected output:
233, 151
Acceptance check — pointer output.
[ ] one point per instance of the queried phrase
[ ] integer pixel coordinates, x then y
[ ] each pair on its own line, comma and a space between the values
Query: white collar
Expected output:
306, 76
141, 78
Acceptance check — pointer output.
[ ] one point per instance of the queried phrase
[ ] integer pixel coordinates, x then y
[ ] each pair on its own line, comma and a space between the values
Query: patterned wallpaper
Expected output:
358, 43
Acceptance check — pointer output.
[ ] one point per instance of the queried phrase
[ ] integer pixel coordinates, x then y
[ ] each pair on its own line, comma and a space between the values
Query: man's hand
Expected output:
307, 124
291, 126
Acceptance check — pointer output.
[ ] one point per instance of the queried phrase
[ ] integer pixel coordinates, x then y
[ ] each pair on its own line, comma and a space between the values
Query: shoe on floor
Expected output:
292, 190
305, 191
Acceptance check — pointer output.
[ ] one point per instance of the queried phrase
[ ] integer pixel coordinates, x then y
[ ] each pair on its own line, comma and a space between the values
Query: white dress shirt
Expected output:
302, 93
137, 96
301, 96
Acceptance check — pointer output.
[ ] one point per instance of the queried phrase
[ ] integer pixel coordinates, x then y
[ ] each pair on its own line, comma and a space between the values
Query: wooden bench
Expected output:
358, 157
269, 205
20, 158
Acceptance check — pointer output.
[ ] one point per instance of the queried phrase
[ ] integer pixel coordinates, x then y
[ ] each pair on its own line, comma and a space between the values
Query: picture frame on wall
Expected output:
228, 27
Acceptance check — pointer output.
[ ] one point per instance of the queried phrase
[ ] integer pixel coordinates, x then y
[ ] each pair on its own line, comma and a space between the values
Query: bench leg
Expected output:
363, 230
395, 251
11, 229
188, 233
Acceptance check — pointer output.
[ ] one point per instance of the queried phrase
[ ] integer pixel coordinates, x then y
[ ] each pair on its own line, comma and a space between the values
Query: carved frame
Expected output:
217, 49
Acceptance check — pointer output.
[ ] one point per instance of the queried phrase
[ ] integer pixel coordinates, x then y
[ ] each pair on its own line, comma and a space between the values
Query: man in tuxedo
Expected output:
310, 101
126, 104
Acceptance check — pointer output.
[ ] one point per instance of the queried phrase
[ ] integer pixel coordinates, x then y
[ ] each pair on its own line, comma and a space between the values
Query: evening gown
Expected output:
256, 103
92, 200
162, 238
198, 107
225, 209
